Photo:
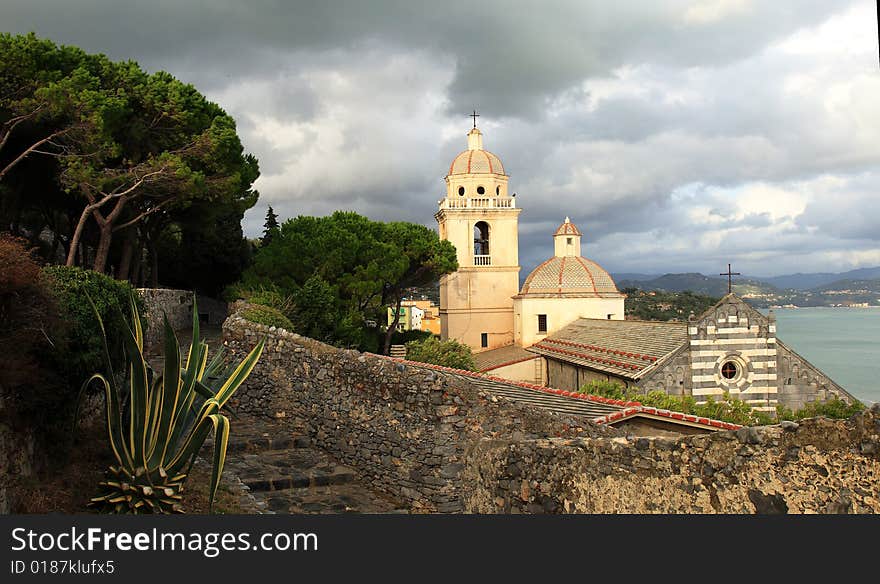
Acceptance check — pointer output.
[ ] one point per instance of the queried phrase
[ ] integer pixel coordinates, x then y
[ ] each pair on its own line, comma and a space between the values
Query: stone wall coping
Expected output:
636, 410
541, 388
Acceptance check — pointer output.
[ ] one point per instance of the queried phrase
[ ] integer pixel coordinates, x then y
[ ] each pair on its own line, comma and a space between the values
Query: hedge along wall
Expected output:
406, 429
817, 466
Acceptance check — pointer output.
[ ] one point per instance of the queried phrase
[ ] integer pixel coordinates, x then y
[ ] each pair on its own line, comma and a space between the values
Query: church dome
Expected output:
567, 228
476, 161
570, 276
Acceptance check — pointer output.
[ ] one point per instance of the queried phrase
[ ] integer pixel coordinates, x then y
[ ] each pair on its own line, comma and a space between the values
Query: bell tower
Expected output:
480, 218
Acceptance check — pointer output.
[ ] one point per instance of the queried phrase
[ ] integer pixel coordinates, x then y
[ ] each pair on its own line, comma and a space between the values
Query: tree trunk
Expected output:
103, 250
152, 246
122, 272
392, 327
77, 235
106, 226
137, 271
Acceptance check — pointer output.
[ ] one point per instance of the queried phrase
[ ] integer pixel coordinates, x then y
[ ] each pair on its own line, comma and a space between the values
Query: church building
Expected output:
566, 326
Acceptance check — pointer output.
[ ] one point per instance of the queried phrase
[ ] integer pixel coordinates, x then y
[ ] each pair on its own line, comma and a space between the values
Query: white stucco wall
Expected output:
560, 312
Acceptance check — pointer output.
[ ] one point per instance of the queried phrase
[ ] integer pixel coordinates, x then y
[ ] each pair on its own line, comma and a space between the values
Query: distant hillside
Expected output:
628, 276
854, 286
699, 284
654, 305
846, 292
810, 281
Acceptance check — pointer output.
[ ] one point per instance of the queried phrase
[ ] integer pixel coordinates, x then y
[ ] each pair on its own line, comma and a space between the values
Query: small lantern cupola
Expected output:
567, 240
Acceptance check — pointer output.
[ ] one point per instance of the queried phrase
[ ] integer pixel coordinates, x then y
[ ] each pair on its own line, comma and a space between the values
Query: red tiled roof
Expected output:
672, 416
476, 162
570, 276
567, 228
501, 357
624, 348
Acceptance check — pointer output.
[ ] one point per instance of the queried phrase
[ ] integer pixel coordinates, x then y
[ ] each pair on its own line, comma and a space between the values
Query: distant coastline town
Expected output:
853, 289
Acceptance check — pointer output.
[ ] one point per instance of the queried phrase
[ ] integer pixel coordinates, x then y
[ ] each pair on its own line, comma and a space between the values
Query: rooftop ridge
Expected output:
505, 364
640, 409
614, 362
663, 322
600, 349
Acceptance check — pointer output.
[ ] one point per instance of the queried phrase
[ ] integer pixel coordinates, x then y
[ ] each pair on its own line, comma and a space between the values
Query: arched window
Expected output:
481, 238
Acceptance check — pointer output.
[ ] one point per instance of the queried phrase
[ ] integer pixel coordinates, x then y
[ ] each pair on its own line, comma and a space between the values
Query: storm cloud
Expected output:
679, 135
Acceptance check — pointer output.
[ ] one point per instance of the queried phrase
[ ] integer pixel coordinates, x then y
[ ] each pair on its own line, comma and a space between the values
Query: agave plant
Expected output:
157, 434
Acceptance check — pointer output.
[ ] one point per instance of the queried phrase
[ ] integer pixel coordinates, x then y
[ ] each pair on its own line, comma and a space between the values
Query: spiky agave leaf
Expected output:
171, 415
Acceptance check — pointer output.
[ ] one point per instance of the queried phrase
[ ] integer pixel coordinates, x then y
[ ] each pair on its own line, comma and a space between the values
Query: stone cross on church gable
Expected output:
730, 274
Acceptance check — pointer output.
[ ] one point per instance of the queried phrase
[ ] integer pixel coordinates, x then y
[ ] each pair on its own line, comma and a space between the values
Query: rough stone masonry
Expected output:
444, 445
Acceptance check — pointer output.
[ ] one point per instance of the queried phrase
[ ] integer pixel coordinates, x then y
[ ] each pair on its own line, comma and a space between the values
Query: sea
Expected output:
842, 342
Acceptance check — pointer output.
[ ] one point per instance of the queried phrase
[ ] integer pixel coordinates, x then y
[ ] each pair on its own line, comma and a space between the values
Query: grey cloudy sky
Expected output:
679, 135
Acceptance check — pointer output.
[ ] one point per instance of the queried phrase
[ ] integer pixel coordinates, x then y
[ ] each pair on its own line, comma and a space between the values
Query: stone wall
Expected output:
18, 461
817, 466
673, 375
437, 440
177, 304
212, 311
405, 428
800, 382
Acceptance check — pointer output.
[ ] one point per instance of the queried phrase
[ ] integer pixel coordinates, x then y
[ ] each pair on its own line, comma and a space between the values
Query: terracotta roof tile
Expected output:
569, 276
501, 356
621, 347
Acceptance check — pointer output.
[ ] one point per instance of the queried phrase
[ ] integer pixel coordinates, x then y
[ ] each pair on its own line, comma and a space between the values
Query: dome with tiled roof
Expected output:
567, 274
567, 228
570, 276
475, 160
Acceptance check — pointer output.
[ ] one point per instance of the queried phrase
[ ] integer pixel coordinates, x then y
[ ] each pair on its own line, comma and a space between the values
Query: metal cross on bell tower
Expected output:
730, 274
474, 115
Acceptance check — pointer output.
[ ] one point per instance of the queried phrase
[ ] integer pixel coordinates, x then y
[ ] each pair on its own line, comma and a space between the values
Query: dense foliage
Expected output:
833, 408
344, 270
156, 436
727, 409
267, 316
106, 159
270, 227
30, 330
84, 352
659, 305
449, 353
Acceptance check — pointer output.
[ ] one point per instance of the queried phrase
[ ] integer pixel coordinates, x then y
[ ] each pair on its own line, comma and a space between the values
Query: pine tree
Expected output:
270, 227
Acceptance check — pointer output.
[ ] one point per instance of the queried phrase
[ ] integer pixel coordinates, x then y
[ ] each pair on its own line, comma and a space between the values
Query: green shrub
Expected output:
272, 299
404, 337
267, 316
833, 408
607, 389
727, 410
446, 353
84, 353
